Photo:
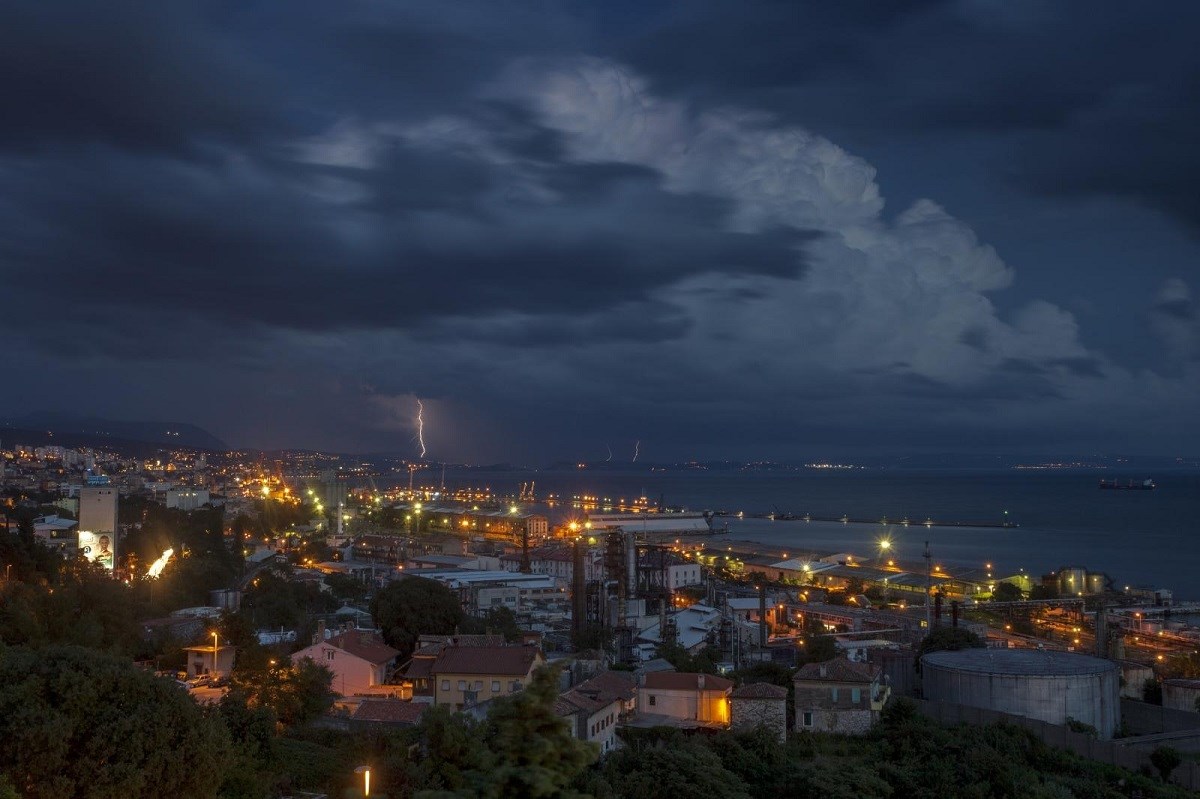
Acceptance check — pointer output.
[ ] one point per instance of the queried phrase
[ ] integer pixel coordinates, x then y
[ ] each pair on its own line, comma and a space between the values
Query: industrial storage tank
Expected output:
1037, 684
1072, 580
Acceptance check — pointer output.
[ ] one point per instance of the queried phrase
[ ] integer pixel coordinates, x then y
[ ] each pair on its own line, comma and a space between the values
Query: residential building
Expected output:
467, 675
685, 696
594, 707
839, 696
759, 704
213, 660
359, 659
186, 498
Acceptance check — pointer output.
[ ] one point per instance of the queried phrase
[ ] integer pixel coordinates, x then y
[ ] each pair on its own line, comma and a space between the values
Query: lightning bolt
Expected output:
609, 458
637, 445
421, 426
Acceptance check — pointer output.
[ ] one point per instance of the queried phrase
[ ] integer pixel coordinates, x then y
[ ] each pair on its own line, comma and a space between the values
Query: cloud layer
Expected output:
556, 234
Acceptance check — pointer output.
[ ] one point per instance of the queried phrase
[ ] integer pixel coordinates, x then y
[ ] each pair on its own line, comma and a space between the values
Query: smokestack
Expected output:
937, 610
631, 564
320, 635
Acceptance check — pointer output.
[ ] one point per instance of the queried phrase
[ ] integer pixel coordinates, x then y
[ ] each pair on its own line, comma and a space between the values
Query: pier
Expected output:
846, 519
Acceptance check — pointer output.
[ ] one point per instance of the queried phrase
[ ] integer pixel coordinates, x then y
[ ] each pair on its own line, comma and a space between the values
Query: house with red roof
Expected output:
594, 707
462, 676
684, 696
360, 661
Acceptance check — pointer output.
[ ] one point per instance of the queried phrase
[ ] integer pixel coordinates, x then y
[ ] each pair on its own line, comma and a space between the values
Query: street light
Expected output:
214, 652
365, 771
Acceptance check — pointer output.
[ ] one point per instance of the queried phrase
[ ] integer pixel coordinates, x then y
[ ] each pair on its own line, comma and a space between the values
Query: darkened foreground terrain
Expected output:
80, 723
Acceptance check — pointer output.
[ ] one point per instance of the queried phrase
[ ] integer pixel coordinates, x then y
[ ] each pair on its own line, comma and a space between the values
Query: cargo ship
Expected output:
1145, 485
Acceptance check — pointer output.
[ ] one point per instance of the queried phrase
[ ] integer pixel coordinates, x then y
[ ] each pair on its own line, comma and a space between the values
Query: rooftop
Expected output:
515, 661
760, 690
838, 670
364, 644
685, 681
1025, 662
389, 711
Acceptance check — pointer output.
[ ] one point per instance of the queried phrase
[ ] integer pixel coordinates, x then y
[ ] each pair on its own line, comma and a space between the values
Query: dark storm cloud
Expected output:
324, 209
1101, 99
249, 248
139, 75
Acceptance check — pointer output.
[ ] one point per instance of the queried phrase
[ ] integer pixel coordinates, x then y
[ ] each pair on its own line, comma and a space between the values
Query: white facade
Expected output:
682, 574
184, 498
98, 509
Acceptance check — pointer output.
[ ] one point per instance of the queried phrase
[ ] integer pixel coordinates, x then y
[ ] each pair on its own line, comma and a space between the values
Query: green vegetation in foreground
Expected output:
78, 723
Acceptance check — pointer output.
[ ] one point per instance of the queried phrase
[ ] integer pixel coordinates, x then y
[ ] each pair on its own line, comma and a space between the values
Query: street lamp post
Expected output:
365, 771
214, 653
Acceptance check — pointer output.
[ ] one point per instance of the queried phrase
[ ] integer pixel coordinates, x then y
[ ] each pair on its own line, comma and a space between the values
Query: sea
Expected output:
1149, 539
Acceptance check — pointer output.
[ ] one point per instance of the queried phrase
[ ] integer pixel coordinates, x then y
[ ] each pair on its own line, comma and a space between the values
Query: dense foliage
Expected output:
406, 609
905, 756
77, 723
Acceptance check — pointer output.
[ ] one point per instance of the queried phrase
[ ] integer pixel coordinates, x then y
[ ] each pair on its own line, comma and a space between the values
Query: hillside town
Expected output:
411, 599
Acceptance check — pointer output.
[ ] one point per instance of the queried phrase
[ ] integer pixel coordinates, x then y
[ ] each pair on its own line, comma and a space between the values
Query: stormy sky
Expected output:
726, 229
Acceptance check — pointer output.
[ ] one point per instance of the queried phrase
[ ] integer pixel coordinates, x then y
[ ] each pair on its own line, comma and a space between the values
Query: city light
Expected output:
156, 568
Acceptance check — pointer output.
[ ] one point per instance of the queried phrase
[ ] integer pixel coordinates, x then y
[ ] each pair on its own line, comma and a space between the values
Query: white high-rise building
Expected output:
98, 509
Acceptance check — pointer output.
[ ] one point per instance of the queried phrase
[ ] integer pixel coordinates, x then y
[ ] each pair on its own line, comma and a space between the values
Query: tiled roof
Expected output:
389, 711
620, 684
364, 644
676, 681
478, 640
838, 670
419, 668
597, 693
513, 661
760, 690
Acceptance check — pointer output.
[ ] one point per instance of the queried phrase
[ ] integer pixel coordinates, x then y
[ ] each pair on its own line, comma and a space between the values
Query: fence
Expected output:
1115, 753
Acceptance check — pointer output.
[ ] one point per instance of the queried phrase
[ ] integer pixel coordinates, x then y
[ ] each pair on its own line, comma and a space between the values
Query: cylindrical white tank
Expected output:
1051, 686
1072, 581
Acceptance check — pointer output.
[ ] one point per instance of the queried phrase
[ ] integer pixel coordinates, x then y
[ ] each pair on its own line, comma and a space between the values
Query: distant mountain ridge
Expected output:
171, 434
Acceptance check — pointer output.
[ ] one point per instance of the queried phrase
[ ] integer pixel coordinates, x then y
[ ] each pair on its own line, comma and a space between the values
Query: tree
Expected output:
1166, 759
950, 638
294, 693
76, 722
1042, 592
1152, 692
523, 748
415, 606
345, 587
501, 621
687, 768
533, 751
1007, 592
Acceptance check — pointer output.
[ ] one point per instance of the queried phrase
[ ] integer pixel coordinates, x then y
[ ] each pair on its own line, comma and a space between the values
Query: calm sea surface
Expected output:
1147, 538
